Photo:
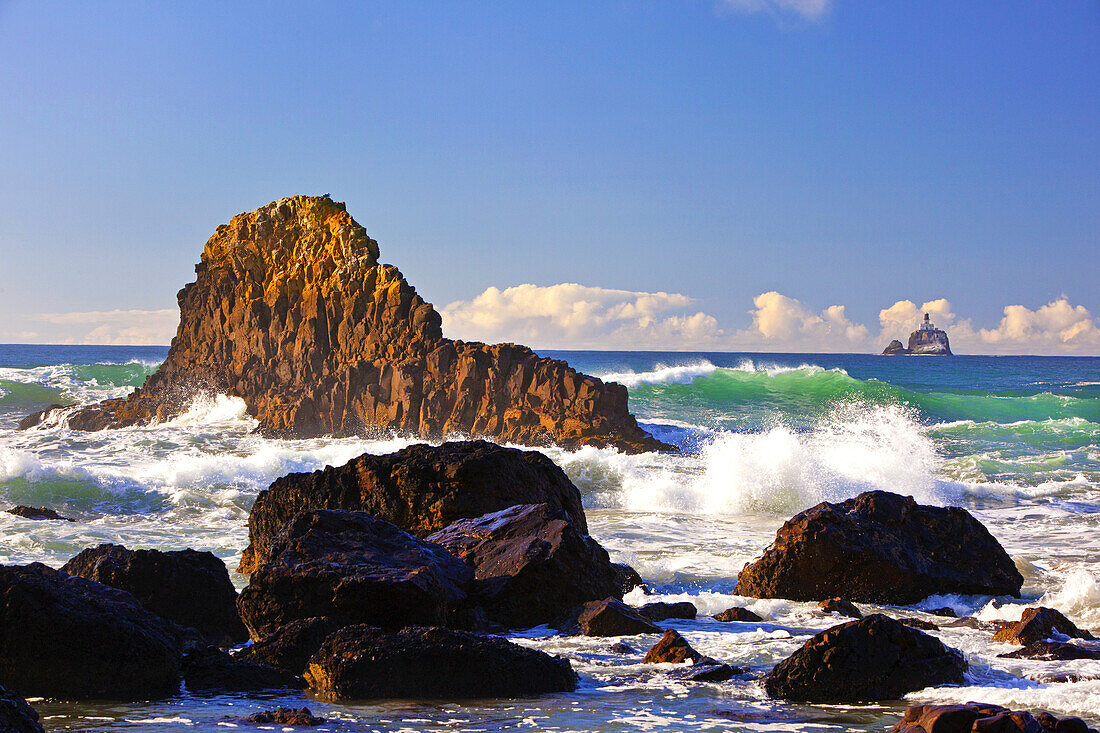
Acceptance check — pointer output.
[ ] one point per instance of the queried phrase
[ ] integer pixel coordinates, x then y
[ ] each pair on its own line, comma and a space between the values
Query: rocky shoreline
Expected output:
360, 593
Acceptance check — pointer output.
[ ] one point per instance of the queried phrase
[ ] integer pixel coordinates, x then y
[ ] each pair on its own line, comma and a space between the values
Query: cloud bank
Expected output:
121, 327
573, 316
582, 317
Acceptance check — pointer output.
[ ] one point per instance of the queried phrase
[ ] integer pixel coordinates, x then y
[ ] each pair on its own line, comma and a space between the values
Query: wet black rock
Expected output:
873, 659
69, 637
188, 587
531, 564
16, 716
840, 606
737, 613
42, 512
352, 568
881, 548
290, 647
363, 663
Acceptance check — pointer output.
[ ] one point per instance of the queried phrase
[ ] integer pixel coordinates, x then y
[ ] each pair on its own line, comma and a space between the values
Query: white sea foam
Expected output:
855, 448
213, 410
662, 374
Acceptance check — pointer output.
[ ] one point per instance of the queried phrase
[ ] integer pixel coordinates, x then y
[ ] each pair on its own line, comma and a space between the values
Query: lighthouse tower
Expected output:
926, 325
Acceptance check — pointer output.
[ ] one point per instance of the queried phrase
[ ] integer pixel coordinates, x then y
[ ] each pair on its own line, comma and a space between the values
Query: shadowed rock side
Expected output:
292, 312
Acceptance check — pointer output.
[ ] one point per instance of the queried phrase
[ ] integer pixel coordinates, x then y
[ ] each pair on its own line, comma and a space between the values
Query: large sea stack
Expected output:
292, 311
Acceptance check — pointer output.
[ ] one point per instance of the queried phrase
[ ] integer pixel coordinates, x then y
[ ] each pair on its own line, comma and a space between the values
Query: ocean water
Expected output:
1015, 440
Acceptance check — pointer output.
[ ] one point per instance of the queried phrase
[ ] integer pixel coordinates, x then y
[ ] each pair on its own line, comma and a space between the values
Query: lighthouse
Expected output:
927, 339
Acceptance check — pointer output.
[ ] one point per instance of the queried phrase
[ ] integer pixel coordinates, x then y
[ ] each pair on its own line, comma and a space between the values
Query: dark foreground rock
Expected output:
736, 613
362, 663
295, 718
41, 512
978, 716
875, 658
188, 587
209, 669
352, 568
1037, 624
663, 611
531, 564
609, 617
16, 716
290, 646
881, 548
421, 489
292, 311
69, 637
672, 648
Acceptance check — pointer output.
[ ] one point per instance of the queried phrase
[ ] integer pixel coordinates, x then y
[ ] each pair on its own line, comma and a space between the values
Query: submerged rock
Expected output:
292, 312
664, 611
708, 670
295, 718
16, 716
421, 489
881, 548
919, 623
352, 568
188, 587
875, 658
42, 512
531, 564
1037, 624
363, 663
672, 648
69, 637
1054, 651
840, 606
736, 613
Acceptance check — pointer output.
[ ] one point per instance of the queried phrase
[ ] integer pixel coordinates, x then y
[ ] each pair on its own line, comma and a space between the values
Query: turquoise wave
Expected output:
806, 393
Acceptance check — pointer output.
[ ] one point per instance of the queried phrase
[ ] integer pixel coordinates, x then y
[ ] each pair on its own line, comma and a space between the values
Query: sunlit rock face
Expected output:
292, 311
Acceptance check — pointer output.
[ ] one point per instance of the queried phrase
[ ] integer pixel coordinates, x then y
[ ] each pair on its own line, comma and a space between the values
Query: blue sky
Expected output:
709, 173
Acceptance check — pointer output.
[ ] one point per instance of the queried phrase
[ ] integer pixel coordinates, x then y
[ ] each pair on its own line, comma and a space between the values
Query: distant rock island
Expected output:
292, 311
927, 339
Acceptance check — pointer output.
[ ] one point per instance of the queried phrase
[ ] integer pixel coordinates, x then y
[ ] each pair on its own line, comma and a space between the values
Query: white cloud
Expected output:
569, 315
808, 9
128, 327
783, 323
1058, 326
